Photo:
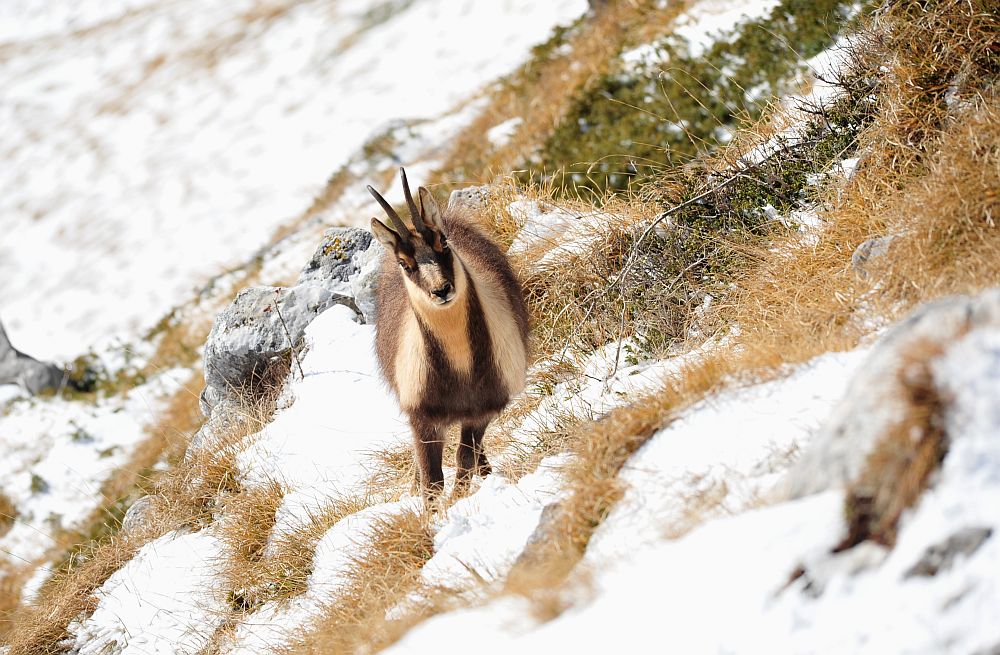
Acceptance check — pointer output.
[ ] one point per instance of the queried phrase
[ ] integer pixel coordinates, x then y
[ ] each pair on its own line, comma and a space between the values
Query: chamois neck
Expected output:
448, 325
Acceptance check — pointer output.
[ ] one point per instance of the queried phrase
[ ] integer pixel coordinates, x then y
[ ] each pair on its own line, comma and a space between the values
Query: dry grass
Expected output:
178, 342
8, 513
899, 467
73, 548
246, 528
381, 577
12, 579
607, 288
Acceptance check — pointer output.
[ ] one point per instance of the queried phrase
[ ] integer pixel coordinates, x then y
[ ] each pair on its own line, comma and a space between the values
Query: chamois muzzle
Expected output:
445, 294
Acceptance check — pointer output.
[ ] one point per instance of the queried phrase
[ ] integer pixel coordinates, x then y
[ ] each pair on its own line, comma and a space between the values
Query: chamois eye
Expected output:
403, 265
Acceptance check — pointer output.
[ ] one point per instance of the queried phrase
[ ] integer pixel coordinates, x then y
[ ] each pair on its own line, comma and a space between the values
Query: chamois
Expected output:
451, 332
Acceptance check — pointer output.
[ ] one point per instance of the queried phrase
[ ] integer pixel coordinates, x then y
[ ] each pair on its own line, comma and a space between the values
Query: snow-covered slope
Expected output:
147, 146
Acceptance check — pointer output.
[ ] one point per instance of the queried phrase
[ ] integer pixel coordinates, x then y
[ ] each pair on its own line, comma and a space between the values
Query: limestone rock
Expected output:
941, 556
339, 256
364, 284
874, 401
26, 371
472, 197
262, 325
137, 514
868, 252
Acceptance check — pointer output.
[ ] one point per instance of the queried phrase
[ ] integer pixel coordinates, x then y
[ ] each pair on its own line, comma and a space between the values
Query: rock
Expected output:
364, 284
941, 556
254, 337
534, 552
26, 371
222, 418
137, 515
870, 251
260, 327
471, 197
875, 401
339, 256
816, 576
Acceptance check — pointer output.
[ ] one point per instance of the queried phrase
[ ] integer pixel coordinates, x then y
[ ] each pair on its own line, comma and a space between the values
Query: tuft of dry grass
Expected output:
177, 342
8, 513
12, 580
608, 287
246, 528
379, 578
899, 467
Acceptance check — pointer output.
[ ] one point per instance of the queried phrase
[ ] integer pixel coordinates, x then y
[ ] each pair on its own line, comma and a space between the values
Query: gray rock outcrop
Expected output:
338, 258
254, 338
875, 401
26, 371
942, 556
471, 197
251, 336
869, 253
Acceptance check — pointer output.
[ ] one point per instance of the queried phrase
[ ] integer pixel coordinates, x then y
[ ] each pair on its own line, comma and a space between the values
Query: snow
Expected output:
700, 26
151, 146
549, 233
706, 21
58, 453
342, 412
737, 443
167, 599
278, 623
698, 555
482, 535
499, 135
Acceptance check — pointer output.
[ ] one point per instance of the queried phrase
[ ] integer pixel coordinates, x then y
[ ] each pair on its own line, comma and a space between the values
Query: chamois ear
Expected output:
430, 211
386, 237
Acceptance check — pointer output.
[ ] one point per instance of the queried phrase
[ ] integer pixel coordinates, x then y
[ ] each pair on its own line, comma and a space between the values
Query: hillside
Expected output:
758, 246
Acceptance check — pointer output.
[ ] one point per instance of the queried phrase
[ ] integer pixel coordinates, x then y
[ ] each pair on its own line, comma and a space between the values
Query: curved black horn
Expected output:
418, 221
397, 222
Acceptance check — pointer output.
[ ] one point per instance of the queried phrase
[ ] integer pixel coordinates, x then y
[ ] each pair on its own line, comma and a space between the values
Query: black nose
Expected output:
443, 292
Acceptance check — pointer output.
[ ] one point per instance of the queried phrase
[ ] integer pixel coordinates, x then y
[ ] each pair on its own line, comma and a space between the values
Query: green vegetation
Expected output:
644, 118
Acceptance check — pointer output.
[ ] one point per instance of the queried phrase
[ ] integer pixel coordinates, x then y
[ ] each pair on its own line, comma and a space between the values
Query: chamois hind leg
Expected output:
465, 459
483, 467
428, 449
470, 458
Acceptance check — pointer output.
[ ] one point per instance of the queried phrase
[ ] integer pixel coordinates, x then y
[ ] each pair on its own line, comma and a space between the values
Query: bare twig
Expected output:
291, 344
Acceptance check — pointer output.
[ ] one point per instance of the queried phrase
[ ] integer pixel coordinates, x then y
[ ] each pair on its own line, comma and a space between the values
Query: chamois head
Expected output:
422, 252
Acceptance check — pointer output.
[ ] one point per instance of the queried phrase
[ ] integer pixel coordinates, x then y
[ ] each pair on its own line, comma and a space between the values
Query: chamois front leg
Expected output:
428, 450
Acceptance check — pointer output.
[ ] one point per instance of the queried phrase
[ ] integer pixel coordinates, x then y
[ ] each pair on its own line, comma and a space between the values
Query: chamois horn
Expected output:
418, 220
397, 222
